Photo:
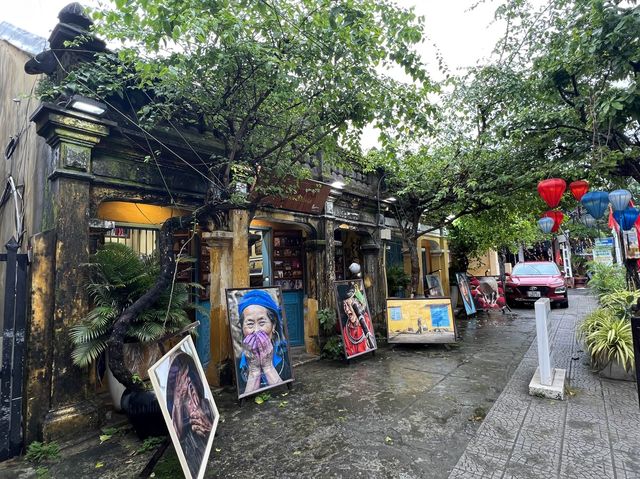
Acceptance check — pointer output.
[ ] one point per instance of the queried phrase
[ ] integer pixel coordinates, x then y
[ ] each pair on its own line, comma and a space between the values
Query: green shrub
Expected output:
42, 451
608, 338
620, 303
327, 319
333, 349
117, 278
397, 281
607, 278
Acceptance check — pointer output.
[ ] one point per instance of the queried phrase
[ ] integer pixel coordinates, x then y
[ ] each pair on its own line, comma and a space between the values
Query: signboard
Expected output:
465, 292
420, 320
260, 340
356, 327
632, 248
187, 406
602, 250
310, 197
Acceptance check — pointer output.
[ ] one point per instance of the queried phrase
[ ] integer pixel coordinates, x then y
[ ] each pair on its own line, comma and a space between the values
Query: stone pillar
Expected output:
373, 269
316, 273
220, 253
71, 136
229, 255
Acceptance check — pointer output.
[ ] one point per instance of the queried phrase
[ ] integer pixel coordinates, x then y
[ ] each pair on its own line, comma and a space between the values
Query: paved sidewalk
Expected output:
595, 433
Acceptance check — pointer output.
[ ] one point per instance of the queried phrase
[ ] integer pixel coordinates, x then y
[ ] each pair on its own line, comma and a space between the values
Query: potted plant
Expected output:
397, 281
117, 277
607, 335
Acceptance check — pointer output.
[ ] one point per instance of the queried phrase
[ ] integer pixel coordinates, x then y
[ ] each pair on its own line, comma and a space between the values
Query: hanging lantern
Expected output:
557, 218
579, 188
588, 220
546, 224
596, 203
626, 218
551, 191
619, 199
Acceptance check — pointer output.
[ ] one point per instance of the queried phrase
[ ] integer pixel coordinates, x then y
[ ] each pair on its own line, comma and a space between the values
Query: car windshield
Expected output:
538, 269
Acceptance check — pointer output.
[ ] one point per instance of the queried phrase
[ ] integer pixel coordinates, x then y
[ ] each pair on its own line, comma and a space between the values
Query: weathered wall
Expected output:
487, 264
28, 162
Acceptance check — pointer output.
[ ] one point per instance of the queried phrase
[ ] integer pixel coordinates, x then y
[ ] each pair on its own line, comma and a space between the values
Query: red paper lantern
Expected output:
579, 188
551, 191
557, 218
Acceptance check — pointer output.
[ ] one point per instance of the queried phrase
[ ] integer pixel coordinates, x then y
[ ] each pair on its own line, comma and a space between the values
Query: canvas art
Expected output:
433, 286
487, 293
356, 327
465, 292
260, 340
420, 320
187, 405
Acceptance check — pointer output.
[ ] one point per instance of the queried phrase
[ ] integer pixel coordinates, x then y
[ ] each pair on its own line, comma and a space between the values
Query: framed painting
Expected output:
433, 285
187, 406
465, 292
487, 293
420, 321
260, 340
356, 327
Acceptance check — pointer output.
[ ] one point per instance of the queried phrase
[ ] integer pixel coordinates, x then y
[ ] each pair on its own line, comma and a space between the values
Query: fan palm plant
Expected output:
117, 278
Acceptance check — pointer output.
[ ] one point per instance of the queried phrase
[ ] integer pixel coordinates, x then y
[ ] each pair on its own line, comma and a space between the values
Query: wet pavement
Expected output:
405, 412
408, 411
594, 433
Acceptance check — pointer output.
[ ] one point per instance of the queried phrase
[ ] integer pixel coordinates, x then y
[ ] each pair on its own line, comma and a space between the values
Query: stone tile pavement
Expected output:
595, 433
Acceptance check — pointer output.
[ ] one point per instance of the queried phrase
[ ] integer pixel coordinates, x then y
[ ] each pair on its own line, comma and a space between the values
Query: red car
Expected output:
530, 281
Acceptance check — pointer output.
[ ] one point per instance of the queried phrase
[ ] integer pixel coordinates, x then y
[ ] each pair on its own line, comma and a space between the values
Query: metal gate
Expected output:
13, 349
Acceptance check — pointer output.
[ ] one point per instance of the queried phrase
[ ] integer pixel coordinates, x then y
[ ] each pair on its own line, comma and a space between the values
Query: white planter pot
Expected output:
138, 358
116, 389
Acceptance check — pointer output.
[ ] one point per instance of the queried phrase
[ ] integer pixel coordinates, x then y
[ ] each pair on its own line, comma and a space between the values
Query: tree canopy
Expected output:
273, 81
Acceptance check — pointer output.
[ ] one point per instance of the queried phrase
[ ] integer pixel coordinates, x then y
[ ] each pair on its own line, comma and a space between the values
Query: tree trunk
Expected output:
115, 344
415, 267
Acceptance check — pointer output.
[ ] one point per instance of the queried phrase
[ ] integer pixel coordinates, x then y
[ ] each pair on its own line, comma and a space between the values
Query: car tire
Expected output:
564, 304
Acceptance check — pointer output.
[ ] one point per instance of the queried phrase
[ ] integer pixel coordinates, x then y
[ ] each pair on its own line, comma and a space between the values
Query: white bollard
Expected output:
547, 381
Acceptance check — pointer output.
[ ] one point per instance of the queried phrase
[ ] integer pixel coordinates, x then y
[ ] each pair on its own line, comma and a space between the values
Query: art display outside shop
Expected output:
260, 341
356, 327
487, 293
187, 406
465, 292
420, 321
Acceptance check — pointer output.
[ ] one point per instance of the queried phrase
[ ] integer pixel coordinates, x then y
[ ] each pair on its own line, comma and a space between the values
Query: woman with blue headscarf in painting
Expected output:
264, 360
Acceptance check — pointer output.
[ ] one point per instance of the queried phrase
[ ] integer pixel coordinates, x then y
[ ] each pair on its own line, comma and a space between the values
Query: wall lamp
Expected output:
87, 105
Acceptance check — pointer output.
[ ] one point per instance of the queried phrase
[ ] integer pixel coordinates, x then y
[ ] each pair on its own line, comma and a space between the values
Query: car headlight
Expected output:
561, 289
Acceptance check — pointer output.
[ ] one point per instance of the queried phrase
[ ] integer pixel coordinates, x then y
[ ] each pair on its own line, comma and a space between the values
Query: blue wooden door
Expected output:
295, 316
203, 341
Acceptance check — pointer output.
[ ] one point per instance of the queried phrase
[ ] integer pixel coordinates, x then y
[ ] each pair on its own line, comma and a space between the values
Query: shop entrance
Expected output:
276, 258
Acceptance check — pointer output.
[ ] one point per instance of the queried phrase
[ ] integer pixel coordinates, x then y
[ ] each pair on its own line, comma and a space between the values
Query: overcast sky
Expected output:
463, 35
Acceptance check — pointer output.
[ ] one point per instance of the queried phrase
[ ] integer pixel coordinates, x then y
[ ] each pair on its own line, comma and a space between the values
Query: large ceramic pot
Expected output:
138, 358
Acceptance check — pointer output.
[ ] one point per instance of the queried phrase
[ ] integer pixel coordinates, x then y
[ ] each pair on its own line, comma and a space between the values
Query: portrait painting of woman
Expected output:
258, 334
355, 320
187, 405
